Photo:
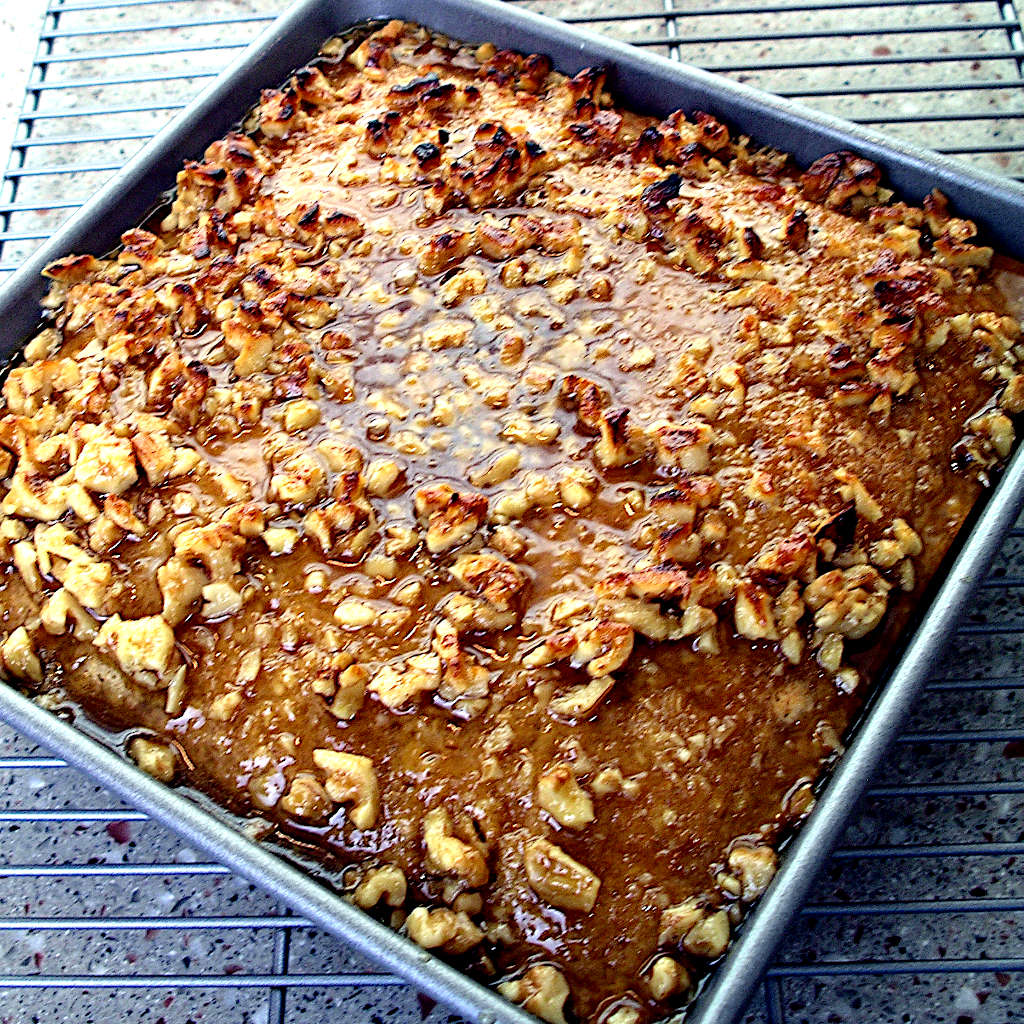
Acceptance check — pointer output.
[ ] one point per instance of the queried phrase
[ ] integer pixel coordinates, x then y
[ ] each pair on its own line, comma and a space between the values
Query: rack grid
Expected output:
918, 918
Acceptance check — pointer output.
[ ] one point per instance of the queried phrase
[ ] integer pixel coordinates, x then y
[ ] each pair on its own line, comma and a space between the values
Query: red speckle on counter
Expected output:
120, 831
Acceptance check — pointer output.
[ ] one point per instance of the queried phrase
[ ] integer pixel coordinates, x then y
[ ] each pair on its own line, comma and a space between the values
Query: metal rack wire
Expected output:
104, 915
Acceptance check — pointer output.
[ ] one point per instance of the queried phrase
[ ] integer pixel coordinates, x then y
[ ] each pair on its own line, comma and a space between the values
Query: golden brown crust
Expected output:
504, 494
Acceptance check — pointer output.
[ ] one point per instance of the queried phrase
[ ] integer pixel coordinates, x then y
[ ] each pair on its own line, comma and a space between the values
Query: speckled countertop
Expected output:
19, 31
106, 836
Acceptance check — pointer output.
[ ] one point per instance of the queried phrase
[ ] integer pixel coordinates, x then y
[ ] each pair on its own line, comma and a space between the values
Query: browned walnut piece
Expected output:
502, 493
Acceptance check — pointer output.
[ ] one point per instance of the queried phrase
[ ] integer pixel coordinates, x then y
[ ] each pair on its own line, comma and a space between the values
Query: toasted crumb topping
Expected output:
505, 495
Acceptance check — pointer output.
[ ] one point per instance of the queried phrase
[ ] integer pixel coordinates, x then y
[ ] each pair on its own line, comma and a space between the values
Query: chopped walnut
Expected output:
561, 795
997, 429
452, 516
754, 867
464, 681
350, 692
181, 586
396, 685
602, 646
351, 779
160, 460
20, 658
685, 446
853, 490
667, 977
299, 481
703, 931
580, 701
497, 581
300, 414
306, 798
452, 931
542, 990
558, 879
154, 758
385, 883
449, 855
754, 616
141, 646
106, 463
850, 602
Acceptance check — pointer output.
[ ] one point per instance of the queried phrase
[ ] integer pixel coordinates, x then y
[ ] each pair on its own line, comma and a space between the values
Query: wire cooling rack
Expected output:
106, 916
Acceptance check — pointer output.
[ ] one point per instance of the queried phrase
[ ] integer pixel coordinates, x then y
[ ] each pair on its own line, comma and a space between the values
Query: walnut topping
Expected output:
216, 546
452, 517
155, 758
351, 779
614, 447
680, 503
454, 932
497, 581
602, 646
559, 793
349, 692
754, 616
850, 602
703, 931
754, 867
159, 459
444, 251
61, 607
838, 177
667, 978
106, 462
558, 879
385, 883
306, 798
709, 937
542, 990
853, 490
686, 446
144, 647
20, 658
299, 481
181, 585
464, 681
449, 855
996, 429
396, 685
580, 701
904, 543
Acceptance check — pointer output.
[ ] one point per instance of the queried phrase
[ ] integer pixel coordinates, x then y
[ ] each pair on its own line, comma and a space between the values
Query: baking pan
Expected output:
653, 85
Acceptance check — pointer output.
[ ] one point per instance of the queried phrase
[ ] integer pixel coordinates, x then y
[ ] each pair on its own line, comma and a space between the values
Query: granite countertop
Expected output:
20, 21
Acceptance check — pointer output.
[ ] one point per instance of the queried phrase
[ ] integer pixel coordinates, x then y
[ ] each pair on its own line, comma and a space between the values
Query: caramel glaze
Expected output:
435, 243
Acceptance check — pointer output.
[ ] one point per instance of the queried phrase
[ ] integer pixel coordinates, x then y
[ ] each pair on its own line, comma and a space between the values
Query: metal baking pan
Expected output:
646, 83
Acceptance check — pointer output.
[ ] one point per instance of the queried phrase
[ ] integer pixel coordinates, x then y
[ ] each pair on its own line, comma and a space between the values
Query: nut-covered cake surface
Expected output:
507, 497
